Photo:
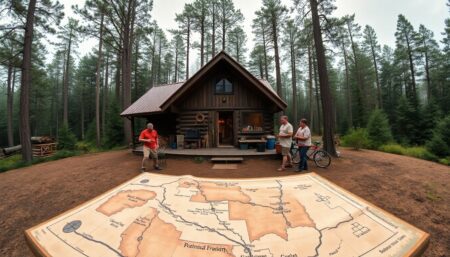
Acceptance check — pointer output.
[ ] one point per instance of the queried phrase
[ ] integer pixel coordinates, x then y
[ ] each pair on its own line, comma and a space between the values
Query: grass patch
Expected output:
416, 151
431, 192
15, 161
198, 159
81, 147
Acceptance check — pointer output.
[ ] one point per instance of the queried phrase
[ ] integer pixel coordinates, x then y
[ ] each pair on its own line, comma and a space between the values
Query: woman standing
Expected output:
303, 137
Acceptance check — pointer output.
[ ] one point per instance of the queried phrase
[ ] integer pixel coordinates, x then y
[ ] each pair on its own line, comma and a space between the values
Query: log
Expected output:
11, 150
42, 140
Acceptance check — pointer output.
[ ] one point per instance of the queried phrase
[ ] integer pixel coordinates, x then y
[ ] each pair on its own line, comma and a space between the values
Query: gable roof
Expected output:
151, 101
159, 98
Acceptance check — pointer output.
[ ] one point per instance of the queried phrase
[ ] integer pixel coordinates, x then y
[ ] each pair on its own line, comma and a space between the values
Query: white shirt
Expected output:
306, 133
286, 129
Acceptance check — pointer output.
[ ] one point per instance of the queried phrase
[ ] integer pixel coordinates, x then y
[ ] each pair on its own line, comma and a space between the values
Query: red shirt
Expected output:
147, 134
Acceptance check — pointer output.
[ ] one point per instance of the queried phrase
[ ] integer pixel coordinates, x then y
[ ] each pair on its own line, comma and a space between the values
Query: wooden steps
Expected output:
227, 159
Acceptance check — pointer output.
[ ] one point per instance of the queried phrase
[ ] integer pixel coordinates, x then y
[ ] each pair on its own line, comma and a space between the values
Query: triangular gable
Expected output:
264, 88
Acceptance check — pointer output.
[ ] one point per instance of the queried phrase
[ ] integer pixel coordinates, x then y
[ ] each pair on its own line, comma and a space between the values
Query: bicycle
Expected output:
320, 157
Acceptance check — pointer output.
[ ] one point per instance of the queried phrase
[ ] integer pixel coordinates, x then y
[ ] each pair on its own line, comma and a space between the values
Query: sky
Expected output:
380, 14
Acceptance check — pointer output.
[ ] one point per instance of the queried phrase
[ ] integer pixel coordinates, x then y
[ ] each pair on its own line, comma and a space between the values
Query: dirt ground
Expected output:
414, 190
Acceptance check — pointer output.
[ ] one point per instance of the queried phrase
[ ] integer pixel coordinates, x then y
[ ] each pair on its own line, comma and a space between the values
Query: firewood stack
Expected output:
43, 146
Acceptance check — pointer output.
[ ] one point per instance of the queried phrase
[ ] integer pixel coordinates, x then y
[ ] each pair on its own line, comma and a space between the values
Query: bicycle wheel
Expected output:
322, 159
295, 156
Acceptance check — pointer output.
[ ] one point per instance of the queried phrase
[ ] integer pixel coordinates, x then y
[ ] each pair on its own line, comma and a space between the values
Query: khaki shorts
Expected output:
285, 151
151, 153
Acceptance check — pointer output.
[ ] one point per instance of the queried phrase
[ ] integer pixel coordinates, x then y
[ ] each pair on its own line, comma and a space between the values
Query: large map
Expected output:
164, 216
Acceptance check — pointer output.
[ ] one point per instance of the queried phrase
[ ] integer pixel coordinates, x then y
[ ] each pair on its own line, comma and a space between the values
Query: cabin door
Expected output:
224, 131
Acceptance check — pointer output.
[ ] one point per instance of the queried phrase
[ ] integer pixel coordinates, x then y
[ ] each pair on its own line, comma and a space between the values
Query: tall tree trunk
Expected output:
66, 84
261, 68
360, 82
188, 45
427, 71
25, 139
348, 89
266, 64
325, 92
159, 61
105, 96
9, 105
317, 93
310, 82
224, 29
377, 77
202, 42
277, 56
126, 78
118, 83
82, 113
294, 84
411, 67
97, 85
175, 80
137, 90
213, 39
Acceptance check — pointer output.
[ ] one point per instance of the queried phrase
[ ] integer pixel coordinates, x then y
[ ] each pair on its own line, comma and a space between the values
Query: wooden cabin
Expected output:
221, 103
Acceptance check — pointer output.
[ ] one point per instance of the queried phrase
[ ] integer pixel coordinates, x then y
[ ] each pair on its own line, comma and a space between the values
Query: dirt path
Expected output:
414, 190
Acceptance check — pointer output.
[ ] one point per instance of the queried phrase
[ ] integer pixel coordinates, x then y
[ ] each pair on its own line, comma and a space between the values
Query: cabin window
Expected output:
224, 87
252, 122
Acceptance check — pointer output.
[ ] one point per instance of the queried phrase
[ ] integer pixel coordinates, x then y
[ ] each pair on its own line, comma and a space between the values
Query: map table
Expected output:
158, 215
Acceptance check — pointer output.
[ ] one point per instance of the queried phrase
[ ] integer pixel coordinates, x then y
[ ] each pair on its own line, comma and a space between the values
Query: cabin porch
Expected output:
214, 152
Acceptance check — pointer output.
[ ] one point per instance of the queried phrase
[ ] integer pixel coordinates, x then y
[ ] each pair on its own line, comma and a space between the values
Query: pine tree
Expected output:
378, 129
275, 12
236, 44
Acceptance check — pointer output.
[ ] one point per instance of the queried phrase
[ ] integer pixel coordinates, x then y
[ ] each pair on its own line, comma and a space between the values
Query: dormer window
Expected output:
224, 87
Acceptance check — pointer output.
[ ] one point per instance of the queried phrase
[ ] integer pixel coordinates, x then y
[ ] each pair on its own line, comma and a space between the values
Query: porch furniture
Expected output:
243, 143
192, 136
180, 141
227, 159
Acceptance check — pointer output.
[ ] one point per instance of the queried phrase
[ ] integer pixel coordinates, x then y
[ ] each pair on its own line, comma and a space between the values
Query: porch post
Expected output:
132, 133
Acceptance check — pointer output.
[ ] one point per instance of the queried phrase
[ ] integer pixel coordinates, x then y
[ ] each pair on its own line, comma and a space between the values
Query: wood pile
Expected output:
41, 146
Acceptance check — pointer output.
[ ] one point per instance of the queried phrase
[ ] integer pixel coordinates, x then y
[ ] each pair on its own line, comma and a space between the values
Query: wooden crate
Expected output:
43, 150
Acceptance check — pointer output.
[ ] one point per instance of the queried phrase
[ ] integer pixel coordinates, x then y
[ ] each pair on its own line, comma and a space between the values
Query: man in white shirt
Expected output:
285, 139
303, 137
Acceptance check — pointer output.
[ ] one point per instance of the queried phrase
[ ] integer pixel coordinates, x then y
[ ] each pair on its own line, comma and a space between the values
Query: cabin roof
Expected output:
160, 97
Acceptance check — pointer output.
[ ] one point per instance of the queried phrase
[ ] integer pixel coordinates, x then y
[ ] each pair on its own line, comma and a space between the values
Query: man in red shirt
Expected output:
149, 137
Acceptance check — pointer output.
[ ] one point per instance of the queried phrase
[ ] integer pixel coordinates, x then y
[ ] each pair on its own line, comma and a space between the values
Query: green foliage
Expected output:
87, 147
408, 123
440, 142
378, 129
357, 138
15, 161
114, 127
66, 139
417, 152
198, 159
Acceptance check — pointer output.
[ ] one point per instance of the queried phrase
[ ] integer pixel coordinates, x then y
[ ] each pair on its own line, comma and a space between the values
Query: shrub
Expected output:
378, 129
392, 148
445, 161
440, 141
66, 139
83, 146
356, 138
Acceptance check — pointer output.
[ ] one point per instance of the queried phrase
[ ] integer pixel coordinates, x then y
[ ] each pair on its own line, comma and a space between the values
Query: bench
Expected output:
227, 159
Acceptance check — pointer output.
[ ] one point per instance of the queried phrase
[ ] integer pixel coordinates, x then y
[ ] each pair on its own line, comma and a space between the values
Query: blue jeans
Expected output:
303, 165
